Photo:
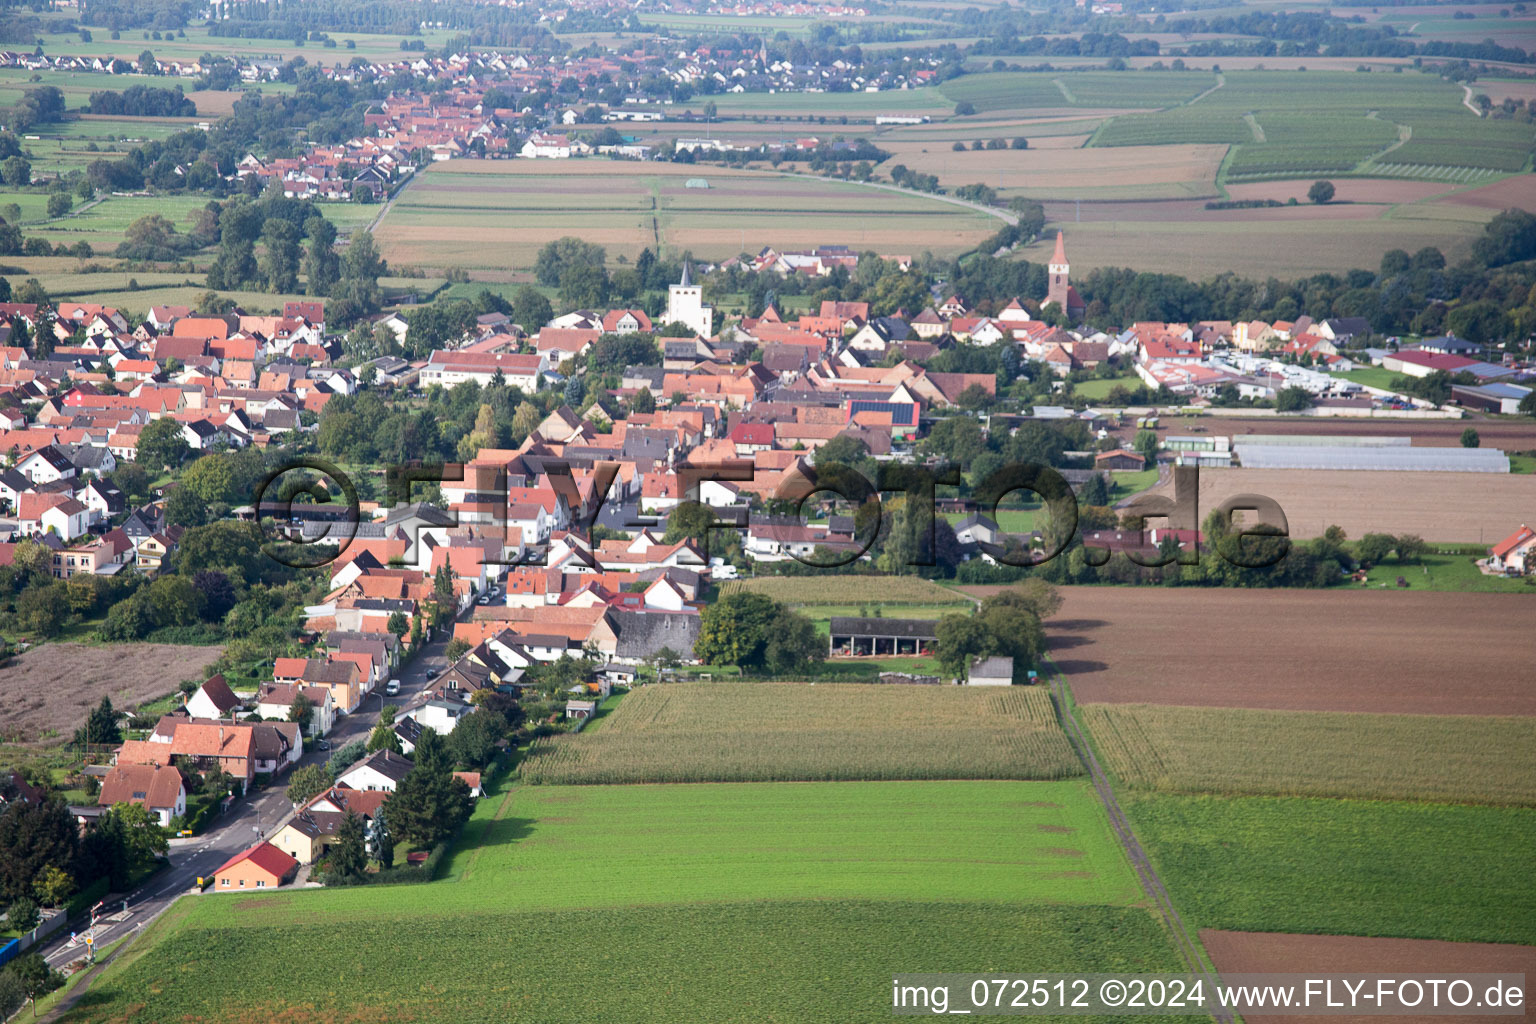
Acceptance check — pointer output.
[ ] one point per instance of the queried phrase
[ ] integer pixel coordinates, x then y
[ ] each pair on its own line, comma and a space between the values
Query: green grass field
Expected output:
751, 902
1231, 751
848, 590
1344, 867
737, 963
736, 732
1444, 572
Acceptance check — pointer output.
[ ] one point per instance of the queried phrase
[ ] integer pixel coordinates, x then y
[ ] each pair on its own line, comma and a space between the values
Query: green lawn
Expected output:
1443, 572
1098, 389
746, 902
1344, 867
1132, 481
1522, 463
1369, 376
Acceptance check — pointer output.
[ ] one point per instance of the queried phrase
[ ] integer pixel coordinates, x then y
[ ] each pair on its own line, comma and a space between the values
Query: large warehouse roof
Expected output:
1454, 460
1323, 440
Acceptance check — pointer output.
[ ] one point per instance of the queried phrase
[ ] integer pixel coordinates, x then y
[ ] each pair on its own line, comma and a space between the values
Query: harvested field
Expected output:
1415, 653
1124, 172
1243, 751
1508, 434
1515, 191
49, 689
1279, 952
497, 216
776, 732
1346, 190
1185, 210
1440, 507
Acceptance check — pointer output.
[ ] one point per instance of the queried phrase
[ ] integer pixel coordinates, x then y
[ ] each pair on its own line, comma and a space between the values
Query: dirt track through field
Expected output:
1266, 952
1151, 884
1410, 653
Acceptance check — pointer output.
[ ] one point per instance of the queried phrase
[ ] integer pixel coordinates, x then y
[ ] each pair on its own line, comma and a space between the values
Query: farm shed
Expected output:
861, 636
1453, 460
994, 671
696, 183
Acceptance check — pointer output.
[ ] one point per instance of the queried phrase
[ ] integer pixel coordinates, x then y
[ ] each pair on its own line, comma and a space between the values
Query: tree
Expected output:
161, 444
16, 171
965, 108
754, 631
1321, 192
1470, 438
142, 837
397, 624
307, 782
1006, 624
349, 856
184, 507
1292, 399
1146, 444
530, 309
957, 439
1373, 547
59, 204
279, 263
346, 757
302, 712
429, 804
383, 736
1528, 404
361, 268
1410, 547
100, 726
689, 520
33, 837
53, 885
322, 267
473, 741
22, 914
456, 649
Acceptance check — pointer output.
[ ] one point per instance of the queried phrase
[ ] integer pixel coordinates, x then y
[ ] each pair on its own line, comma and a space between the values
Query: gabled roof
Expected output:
1513, 541
265, 856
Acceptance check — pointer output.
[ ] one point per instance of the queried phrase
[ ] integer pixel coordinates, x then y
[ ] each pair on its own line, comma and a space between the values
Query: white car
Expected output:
392, 687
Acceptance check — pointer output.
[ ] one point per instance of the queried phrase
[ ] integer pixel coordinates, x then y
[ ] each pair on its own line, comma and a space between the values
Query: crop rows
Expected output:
738, 732
1456, 174
1459, 758
1187, 125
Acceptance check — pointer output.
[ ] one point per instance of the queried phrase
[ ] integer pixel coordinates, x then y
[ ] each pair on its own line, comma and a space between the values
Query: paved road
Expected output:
260, 816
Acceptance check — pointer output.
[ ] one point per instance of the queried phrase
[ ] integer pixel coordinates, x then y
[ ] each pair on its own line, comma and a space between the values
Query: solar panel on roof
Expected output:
902, 413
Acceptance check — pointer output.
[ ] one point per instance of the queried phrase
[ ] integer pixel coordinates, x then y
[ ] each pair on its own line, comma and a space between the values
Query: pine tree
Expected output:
349, 856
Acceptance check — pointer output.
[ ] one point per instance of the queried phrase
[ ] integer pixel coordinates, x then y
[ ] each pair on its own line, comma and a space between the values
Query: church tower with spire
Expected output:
685, 305
1059, 291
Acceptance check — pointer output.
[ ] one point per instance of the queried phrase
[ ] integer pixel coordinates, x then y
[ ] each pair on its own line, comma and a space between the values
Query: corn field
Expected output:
1243, 751
797, 732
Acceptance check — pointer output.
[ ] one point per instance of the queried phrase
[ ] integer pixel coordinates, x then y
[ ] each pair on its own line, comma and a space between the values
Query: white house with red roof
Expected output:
1515, 554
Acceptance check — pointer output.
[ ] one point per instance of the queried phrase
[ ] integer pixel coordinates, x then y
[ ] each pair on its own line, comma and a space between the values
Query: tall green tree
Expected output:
322, 267
348, 858
279, 263
429, 804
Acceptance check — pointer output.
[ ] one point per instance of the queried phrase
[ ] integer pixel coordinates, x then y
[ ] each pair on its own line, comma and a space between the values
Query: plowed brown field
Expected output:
1470, 508
1298, 650
1266, 952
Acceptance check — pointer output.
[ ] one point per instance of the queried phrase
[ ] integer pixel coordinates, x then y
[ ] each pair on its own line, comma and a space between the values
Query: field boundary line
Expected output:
1152, 885
1221, 80
1059, 84
1255, 127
